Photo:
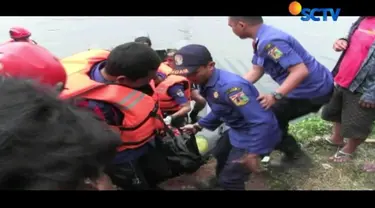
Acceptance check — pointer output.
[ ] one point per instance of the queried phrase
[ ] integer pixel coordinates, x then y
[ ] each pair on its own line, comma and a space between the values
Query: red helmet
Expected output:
29, 61
19, 32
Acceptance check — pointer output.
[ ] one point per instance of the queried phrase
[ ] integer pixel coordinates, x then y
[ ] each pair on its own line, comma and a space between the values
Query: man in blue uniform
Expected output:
305, 84
254, 131
177, 93
200, 102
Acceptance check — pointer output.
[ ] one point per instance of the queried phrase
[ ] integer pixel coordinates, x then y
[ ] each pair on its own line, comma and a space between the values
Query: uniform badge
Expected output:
239, 99
216, 95
275, 53
178, 60
180, 93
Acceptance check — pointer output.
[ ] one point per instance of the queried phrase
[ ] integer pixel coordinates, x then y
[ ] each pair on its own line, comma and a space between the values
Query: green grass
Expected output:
313, 126
310, 127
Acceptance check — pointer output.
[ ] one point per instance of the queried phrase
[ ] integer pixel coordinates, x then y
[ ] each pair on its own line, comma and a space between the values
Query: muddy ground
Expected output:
323, 175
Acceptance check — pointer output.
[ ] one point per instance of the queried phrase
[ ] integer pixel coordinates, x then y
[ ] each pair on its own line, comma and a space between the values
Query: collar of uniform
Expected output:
213, 79
260, 32
96, 75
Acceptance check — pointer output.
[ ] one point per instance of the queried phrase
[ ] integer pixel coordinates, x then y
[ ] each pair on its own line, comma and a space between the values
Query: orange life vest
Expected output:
167, 104
142, 120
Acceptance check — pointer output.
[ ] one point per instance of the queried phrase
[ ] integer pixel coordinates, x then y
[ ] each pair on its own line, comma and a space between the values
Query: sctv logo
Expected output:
295, 8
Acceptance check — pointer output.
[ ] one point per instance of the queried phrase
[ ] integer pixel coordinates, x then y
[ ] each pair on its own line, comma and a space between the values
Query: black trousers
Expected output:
231, 176
143, 173
288, 109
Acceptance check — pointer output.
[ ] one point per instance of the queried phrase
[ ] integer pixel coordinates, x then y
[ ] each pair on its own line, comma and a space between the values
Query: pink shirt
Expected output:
356, 53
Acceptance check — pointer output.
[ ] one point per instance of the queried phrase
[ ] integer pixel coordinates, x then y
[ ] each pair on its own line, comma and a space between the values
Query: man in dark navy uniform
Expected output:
253, 132
200, 102
305, 84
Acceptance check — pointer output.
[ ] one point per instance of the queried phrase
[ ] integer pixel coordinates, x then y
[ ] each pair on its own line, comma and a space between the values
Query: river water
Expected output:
67, 35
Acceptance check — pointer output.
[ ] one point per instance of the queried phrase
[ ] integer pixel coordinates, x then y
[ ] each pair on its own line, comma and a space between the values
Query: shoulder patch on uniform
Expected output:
275, 53
180, 93
233, 89
239, 99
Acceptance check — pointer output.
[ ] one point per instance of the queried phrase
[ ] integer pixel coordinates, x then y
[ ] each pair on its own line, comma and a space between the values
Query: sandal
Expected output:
341, 157
329, 142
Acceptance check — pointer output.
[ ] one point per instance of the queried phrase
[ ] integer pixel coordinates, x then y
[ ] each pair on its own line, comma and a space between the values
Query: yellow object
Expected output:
202, 144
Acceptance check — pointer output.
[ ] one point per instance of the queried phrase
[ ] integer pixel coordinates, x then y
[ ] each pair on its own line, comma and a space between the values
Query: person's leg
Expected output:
221, 152
286, 110
332, 112
234, 175
356, 125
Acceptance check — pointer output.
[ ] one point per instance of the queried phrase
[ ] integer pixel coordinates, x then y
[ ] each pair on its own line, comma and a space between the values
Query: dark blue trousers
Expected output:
231, 175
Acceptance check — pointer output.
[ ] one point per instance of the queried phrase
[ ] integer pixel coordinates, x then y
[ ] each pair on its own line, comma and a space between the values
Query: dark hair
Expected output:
46, 143
133, 60
143, 40
251, 20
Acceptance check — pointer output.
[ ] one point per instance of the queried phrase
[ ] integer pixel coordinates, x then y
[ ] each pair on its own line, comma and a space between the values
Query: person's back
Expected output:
318, 81
48, 144
265, 120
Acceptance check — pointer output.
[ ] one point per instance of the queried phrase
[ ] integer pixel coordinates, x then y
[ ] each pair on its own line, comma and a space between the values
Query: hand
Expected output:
340, 45
168, 120
189, 128
266, 101
366, 104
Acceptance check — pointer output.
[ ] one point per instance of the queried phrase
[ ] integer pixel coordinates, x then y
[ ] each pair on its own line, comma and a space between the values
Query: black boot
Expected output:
298, 159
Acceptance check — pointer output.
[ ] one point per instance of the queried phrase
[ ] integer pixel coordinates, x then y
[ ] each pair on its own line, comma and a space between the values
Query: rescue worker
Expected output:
200, 102
20, 34
144, 40
253, 132
174, 96
119, 85
46, 126
305, 84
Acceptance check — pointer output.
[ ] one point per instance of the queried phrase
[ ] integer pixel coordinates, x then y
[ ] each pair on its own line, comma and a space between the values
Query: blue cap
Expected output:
189, 58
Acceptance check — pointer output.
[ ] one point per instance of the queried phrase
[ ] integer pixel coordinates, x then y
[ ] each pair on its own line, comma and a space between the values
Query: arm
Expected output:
369, 95
178, 95
200, 102
257, 71
281, 52
210, 122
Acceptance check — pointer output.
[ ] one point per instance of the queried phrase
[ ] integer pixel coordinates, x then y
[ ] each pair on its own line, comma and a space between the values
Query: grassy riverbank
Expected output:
324, 175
